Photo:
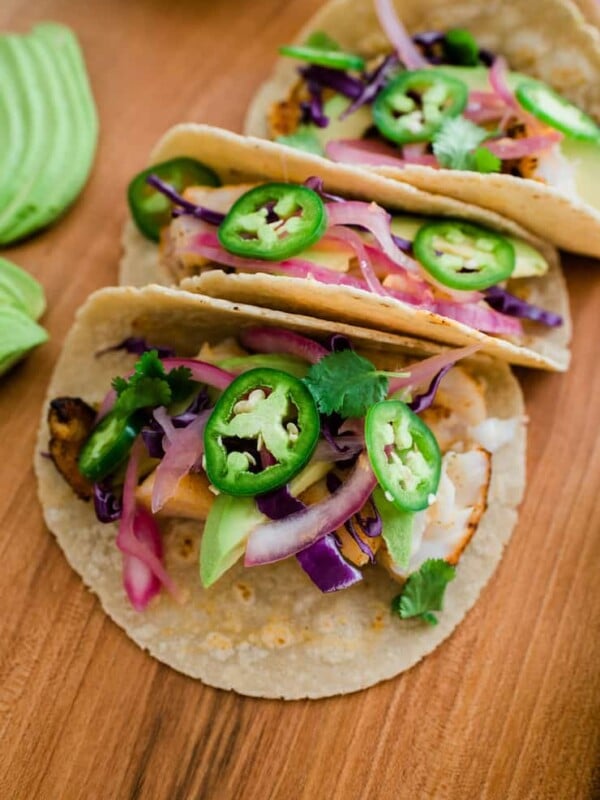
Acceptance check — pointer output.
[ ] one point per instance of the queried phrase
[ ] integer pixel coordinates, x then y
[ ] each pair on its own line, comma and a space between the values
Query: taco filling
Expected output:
284, 448
452, 268
438, 100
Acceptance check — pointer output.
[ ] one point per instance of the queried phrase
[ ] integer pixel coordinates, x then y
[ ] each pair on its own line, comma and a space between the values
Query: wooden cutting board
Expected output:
507, 708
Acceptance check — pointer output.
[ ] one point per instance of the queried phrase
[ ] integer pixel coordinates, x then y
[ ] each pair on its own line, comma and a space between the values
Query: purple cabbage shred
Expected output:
422, 401
328, 78
374, 83
402, 244
505, 302
107, 504
279, 503
312, 111
200, 212
326, 567
316, 184
138, 345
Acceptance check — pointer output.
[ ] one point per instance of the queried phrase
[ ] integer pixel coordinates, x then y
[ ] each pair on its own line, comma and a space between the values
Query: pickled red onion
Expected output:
425, 370
281, 340
274, 541
183, 448
519, 148
395, 31
138, 581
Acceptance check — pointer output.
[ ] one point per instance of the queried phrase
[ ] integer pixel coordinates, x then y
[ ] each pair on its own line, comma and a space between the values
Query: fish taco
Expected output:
274, 504
251, 221
422, 92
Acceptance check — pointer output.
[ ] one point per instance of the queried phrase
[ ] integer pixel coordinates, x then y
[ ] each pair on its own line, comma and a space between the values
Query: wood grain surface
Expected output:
509, 707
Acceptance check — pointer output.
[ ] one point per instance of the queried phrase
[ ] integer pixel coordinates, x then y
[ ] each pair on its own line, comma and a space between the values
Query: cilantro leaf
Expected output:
179, 380
424, 590
145, 393
321, 41
150, 386
346, 383
303, 138
456, 146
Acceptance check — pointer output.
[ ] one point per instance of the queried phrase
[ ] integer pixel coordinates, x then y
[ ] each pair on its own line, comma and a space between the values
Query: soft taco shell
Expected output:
266, 631
239, 159
548, 40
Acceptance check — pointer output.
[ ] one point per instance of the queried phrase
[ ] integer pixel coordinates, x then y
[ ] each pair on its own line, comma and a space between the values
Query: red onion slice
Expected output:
480, 317
275, 541
395, 31
140, 583
498, 81
280, 340
356, 243
207, 245
426, 370
519, 148
183, 448
377, 221
138, 551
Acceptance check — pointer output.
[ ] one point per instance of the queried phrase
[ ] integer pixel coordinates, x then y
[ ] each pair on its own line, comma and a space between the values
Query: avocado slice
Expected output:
20, 290
18, 335
50, 131
227, 527
397, 528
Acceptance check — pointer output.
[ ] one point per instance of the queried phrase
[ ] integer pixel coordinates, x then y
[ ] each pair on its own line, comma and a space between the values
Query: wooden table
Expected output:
507, 708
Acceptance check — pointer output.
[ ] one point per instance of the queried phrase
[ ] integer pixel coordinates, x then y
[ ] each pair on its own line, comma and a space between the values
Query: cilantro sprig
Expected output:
456, 145
424, 591
151, 386
347, 384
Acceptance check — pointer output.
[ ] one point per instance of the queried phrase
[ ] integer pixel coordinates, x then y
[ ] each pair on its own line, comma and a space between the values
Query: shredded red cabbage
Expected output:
505, 302
279, 503
107, 505
312, 111
153, 432
200, 212
325, 566
422, 401
138, 345
402, 244
335, 79
374, 83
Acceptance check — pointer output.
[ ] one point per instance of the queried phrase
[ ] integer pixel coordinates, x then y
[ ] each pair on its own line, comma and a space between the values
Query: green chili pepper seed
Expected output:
150, 209
273, 222
462, 255
413, 106
262, 413
404, 455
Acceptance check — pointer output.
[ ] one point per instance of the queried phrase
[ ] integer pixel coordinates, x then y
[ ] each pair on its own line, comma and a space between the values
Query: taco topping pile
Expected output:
437, 100
449, 267
282, 447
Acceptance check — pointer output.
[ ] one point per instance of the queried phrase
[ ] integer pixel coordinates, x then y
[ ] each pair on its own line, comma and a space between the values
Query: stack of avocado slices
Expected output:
22, 301
48, 128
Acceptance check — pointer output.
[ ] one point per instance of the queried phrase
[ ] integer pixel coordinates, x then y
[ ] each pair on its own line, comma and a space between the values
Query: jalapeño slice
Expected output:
108, 445
549, 107
404, 455
273, 221
150, 209
413, 106
262, 431
462, 255
334, 59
